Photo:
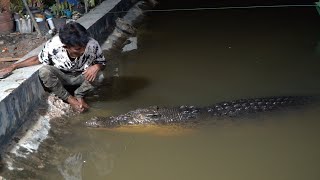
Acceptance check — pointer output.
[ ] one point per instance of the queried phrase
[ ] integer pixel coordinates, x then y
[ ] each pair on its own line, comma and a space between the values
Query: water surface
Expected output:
201, 58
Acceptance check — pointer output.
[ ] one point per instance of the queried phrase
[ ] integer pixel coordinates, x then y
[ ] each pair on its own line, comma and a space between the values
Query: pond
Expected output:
201, 58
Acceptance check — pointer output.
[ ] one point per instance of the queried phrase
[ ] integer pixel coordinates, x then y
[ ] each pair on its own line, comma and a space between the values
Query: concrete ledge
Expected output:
21, 92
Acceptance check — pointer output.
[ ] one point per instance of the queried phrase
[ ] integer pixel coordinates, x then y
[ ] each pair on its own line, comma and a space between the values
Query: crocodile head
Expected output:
148, 115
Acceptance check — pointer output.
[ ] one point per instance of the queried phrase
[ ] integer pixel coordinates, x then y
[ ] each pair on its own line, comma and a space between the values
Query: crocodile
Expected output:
156, 115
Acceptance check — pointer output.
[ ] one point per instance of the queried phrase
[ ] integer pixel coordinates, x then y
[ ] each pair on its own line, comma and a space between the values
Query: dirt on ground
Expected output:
14, 46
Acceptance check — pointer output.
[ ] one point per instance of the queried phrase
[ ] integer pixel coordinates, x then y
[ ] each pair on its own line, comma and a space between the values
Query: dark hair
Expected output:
74, 34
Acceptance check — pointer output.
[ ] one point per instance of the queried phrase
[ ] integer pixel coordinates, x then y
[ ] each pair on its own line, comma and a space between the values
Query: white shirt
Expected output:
55, 54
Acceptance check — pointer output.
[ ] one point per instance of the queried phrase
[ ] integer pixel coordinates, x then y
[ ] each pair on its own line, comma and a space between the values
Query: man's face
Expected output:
75, 51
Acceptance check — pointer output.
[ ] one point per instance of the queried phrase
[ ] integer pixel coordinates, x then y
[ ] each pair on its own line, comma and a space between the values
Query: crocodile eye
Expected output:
152, 115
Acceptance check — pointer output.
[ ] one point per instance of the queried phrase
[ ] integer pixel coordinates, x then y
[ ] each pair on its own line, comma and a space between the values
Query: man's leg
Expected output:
54, 79
87, 87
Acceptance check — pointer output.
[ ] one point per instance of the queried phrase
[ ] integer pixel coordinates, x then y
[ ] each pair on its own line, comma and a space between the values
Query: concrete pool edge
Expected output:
22, 91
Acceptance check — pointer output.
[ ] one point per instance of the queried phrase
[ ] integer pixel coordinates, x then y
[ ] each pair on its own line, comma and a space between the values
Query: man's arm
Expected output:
28, 62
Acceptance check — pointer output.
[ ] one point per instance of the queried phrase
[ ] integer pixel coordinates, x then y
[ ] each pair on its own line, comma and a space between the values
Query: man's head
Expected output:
75, 38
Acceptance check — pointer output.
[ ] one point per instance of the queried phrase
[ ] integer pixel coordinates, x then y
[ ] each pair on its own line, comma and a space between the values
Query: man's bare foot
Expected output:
83, 103
75, 104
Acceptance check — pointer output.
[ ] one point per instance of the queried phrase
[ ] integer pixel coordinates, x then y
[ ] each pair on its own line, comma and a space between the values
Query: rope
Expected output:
224, 8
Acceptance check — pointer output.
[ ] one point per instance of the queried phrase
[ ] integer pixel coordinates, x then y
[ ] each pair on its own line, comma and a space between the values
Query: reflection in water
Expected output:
158, 130
71, 169
102, 160
317, 48
100, 154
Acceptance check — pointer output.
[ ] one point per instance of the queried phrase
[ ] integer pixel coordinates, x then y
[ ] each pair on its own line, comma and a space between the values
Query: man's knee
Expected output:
99, 79
45, 71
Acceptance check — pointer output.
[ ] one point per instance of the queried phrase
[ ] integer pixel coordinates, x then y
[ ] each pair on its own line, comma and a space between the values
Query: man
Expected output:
72, 58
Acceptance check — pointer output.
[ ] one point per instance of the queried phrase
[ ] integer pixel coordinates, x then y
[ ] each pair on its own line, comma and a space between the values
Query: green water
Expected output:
201, 58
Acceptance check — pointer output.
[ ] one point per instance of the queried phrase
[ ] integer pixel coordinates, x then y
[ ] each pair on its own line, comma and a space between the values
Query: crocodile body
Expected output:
186, 114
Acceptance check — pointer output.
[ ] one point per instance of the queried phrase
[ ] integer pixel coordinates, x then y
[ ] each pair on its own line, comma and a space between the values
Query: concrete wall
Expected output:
21, 92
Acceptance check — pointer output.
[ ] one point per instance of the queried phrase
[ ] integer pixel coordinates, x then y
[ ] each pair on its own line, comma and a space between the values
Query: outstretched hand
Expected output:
33, 60
6, 70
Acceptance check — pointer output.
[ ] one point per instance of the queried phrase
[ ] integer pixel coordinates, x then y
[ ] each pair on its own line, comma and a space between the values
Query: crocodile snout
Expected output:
92, 123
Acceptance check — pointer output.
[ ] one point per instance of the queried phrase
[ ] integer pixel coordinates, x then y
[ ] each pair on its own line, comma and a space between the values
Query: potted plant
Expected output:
21, 17
16, 7
58, 9
24, 24
78, 7
6, 21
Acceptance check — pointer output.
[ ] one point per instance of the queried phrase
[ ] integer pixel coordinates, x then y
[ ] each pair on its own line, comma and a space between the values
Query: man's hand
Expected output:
33, 60
8, 69
91, 72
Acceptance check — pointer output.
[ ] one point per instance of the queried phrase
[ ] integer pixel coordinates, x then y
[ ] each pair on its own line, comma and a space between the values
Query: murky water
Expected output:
201, 58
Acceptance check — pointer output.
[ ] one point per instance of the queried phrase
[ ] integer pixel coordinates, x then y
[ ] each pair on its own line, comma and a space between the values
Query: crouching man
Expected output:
72, 58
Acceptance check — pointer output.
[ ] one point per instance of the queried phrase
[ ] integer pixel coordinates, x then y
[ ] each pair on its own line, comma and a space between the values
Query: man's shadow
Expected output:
117, 88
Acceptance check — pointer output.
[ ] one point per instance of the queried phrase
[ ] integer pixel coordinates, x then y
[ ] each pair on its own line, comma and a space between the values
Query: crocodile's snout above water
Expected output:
94, 122
150, 115
185, 114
